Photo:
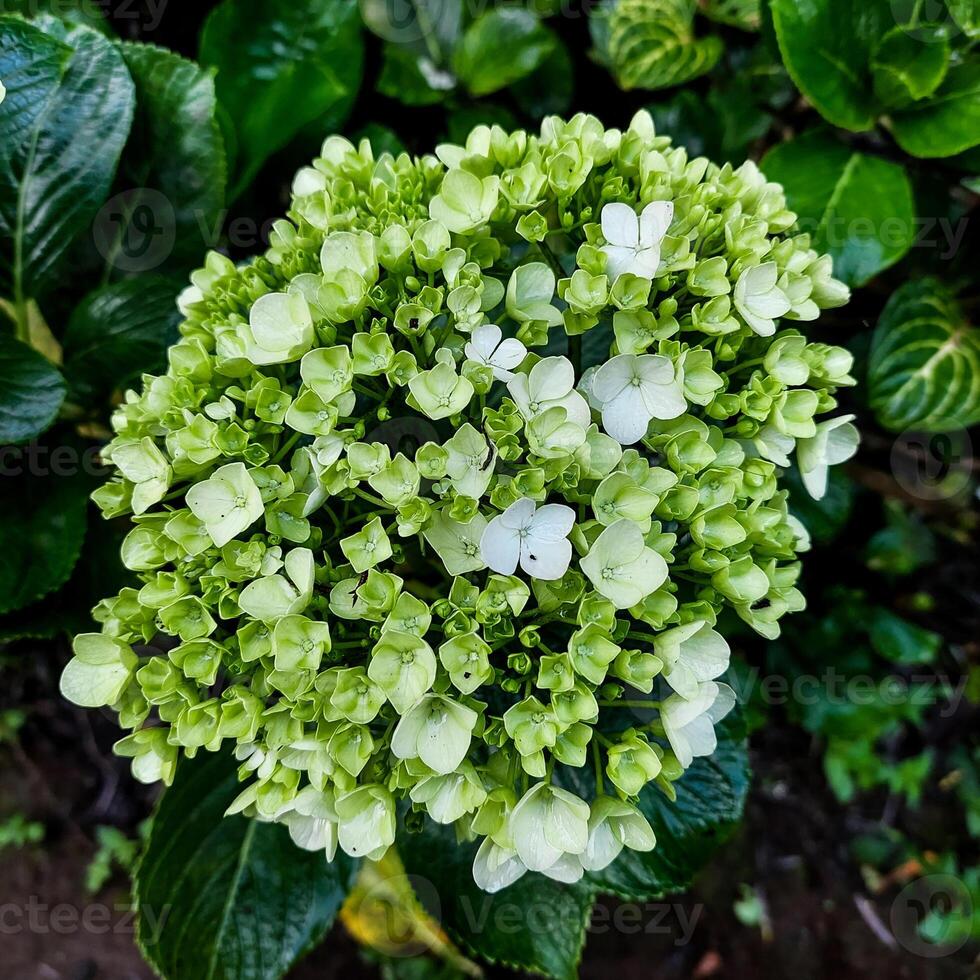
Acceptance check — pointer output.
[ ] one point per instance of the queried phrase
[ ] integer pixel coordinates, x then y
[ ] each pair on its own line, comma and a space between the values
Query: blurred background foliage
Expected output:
160, 130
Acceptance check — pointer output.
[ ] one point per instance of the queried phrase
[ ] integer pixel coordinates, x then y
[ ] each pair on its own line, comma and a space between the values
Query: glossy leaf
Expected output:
118, 332
710, 799
172, 178
228, 898
535, 925
651, 44
68, 92
44, 493
280, 68
948, 121
857, 207
32, 390
924, 366
827, 47
499, 48
909, 66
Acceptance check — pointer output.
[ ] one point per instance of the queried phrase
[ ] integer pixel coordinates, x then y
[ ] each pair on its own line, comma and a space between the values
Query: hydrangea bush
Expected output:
444, 495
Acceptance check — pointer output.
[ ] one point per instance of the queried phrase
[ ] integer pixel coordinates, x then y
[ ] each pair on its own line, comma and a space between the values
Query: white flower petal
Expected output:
547, 561
626, 418
552, 522
518, 515
612, 377
500, 547
620, 225
655, 219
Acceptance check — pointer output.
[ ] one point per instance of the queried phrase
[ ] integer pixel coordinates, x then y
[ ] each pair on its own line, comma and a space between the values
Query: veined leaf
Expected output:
924, 366
31, 391
857, 207
228, 898
171, 184
44, 494
118, 332
827, 47
651, 44
68, 92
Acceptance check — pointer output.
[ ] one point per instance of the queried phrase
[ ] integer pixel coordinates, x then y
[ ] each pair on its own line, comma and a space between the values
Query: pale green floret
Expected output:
454, 483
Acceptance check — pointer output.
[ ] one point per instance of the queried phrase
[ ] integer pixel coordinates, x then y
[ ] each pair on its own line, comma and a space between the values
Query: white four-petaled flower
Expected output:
534, 537
487, 346
632, 390
633, 243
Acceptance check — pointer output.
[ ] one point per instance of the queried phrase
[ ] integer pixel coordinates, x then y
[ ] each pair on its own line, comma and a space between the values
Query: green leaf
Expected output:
900, 641
946, 123
32, 390
228, 898
651, 44
827, 46
44, 495
429, 28
62, 128
499, 48
171, 184
744, 14
411, 78
857, 207
907, 67
710, 800
549, 88
924, 366
118, 332
280, 68
499, 928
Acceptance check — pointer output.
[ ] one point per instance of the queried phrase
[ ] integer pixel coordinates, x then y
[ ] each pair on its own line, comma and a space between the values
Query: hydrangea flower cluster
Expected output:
442, 496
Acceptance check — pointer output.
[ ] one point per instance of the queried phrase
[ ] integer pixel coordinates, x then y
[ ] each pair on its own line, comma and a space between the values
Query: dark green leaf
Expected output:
499, 48
228, 898
535, 925
948, 121
651, 44
909, 66
857, 207
710, 799
118, 332
31, 391
827, 47
44, 492
900, 641
404, 78
282, 67
549, 88
172, 178
427, 28
924, 366
62, 127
